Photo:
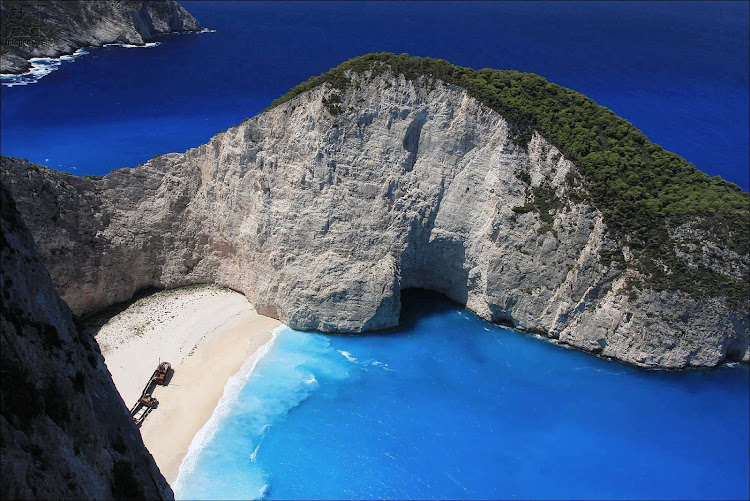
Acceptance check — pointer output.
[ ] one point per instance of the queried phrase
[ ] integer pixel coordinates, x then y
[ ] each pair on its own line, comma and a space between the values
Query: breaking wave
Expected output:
232, 390
286, 373
40, 67
43, 66
133, 46
348, 356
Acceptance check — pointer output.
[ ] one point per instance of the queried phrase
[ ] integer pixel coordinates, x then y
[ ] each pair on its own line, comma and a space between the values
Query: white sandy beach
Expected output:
206, 333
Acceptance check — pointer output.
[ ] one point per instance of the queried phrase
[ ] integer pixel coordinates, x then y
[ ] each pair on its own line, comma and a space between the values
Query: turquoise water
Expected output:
449, 406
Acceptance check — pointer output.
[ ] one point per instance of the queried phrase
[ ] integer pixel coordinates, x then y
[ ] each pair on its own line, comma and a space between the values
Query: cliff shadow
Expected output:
93, 322
437, 265
417, 304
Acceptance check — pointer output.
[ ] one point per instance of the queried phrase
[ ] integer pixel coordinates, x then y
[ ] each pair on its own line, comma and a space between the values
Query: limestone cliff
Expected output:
51, 28
323, 208
65, 433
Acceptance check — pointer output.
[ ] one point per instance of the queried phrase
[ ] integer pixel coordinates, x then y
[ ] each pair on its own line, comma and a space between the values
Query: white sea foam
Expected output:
263, 432
133, 46
43, 66
40, 67
348, 356
382, 365
185, 33
296, 364
263, 491
457, 482
231, 391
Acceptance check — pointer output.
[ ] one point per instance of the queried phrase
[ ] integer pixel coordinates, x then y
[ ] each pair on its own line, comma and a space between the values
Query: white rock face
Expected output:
322, 220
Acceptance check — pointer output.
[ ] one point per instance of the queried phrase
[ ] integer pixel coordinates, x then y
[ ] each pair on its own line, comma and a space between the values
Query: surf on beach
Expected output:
208, 334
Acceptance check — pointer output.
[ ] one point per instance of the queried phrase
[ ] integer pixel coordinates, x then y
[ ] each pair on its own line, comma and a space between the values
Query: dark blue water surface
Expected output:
677, 70
449, 406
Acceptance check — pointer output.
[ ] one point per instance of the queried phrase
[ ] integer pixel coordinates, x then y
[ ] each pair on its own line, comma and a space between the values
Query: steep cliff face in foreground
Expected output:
322, 209
64, 431
51, 28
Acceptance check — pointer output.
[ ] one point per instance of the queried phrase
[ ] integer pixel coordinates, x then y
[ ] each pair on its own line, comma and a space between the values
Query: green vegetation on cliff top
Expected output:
642, 190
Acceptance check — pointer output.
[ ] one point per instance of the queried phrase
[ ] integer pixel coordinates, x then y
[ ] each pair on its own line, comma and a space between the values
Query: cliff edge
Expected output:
383, 175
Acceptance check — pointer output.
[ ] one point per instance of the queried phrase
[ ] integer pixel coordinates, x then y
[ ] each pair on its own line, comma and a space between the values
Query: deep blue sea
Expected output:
450, 406
677, 70
447, 406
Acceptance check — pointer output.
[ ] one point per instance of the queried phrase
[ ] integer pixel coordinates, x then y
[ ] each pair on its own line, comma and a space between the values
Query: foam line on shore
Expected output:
133, 46
232, 390
43, 66
40, 67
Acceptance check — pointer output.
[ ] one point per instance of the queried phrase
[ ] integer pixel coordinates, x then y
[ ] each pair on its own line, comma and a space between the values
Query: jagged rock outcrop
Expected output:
322, 209
51, 28
65, 433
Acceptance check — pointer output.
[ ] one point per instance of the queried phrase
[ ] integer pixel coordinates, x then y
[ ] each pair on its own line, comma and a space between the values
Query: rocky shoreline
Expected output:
51, 29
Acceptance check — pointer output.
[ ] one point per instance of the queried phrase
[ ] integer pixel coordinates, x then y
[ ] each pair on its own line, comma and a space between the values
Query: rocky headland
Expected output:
52, 28
391, 172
